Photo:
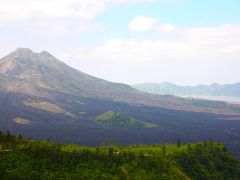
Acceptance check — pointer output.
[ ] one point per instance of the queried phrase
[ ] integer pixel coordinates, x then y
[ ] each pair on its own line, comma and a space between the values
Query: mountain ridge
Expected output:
166, 88
24, 64
34, 73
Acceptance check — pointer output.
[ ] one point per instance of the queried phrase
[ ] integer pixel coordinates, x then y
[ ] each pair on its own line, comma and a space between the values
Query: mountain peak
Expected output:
23, 63
30, 54
46, 55
43, 53
26, 55
22, 52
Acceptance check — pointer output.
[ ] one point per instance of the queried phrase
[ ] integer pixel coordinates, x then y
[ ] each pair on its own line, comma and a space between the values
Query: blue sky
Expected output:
181, 13
131, 41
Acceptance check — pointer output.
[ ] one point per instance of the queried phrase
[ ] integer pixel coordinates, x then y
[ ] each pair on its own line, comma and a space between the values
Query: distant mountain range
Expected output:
167, 88
41, 97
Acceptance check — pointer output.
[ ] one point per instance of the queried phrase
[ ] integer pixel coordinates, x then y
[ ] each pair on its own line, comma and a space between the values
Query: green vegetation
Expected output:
117, 119
28, 159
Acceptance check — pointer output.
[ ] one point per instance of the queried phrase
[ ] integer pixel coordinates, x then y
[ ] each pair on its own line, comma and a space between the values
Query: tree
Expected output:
20, 137
178, 142
9, 136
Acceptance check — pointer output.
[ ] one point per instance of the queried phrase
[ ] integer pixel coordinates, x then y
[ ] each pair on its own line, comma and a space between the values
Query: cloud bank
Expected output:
15, 10
197, 53
56, 16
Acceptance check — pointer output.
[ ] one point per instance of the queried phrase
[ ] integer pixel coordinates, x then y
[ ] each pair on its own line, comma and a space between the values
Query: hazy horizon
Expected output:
135, 41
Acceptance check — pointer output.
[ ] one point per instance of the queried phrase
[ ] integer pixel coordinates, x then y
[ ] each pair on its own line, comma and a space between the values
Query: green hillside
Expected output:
117, 119
28, 159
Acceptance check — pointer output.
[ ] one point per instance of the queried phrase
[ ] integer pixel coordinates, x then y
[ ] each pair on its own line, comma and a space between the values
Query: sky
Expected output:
186, 42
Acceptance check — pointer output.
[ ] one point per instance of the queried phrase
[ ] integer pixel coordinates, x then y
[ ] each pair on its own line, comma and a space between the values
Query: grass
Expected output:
120, 120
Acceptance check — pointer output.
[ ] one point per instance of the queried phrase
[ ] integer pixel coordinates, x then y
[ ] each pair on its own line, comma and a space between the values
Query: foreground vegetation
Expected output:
29, 159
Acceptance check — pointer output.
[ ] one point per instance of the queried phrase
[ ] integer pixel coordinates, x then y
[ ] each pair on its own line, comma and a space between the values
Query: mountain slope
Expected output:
41, 74
166, 88
41, 97
45, 71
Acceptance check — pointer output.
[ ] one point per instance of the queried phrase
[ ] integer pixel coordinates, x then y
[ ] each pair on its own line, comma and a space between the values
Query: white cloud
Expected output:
47, 28
212, 50
145, 24
16, 10
56, 15
166, 28
142, 23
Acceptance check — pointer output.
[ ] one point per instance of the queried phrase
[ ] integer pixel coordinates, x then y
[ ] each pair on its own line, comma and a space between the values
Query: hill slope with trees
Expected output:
30, 159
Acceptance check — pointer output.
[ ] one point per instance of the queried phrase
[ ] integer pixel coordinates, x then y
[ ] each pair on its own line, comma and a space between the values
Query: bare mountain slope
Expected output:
45, 71
40, 74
